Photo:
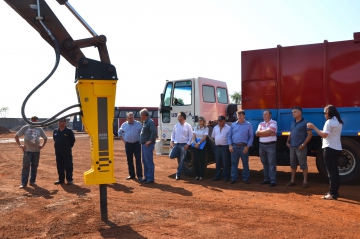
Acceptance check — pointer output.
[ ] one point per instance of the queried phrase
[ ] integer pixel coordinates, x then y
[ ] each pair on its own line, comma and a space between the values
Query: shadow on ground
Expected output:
111, 230
39, 192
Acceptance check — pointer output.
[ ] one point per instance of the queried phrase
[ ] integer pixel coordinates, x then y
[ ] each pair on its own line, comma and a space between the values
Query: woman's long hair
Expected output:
332, 111
203, 119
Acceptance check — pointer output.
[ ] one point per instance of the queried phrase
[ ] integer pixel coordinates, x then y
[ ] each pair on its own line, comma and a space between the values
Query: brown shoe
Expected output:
305, 185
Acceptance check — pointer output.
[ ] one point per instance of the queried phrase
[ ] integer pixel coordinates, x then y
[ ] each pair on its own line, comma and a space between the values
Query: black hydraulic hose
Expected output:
53, 119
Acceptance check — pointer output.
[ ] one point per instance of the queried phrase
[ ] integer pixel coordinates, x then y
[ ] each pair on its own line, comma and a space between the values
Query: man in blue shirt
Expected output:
240, 138
299, 136
129, 133
147, 141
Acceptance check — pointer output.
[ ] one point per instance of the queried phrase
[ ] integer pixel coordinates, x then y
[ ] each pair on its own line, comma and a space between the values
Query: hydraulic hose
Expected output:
52, 119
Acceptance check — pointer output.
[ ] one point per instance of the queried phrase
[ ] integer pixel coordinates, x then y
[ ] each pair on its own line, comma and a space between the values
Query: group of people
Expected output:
139, 140
232, 144
300, 135
64, 140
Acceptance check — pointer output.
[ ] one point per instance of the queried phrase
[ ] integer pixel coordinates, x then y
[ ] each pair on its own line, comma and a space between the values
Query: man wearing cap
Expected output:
64, 140
31, 149
181, 138
298, 138
240, 138
222, 155
266, 132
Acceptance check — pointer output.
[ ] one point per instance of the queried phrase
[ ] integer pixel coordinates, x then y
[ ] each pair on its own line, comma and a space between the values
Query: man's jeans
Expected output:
267, 153
30, 160
222, 158
148, 161
179, 152
134, 149
235, 155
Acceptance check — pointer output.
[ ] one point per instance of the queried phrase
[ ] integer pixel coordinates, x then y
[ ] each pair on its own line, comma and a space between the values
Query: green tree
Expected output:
167, 101
4, 111
178, 101
236, 97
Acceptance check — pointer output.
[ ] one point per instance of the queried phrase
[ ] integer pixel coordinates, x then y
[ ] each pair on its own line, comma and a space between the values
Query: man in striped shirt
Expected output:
266, 132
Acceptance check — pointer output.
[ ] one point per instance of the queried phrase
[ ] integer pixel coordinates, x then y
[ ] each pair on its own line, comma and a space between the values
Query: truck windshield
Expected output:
182, 93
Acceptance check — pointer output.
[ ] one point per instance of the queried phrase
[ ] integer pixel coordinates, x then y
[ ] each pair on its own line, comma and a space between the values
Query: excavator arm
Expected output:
28, 10
69, 49
95, 82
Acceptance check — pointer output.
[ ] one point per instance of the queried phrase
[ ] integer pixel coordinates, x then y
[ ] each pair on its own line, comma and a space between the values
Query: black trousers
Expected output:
64, 163
134, 149
331, 157
199, 161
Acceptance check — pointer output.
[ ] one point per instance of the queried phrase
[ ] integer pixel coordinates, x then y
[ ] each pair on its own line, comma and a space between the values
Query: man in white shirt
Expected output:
181, 138
222, 153
266, 132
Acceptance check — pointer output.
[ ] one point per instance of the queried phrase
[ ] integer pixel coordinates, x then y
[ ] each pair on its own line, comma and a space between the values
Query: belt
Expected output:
132, 143
180, 143
221, 145
240, 144
272, 142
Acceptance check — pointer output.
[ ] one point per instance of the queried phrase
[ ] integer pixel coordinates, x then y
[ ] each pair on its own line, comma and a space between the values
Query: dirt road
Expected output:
168, 208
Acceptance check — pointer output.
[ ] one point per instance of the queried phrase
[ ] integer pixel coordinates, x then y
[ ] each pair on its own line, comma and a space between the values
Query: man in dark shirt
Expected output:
299, 137
147, 141
64, 140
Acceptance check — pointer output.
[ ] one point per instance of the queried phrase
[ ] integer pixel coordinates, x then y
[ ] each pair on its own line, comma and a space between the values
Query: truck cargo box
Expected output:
311, 76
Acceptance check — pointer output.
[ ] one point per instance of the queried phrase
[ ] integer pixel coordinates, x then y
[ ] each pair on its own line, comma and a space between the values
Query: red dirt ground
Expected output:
168, 208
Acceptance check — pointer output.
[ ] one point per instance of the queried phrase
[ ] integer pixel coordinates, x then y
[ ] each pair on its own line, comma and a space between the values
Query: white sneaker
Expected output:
328, 197
33, 184
22, 186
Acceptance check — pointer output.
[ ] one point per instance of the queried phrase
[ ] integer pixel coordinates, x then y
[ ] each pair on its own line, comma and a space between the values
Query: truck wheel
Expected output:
189, 166
349, 162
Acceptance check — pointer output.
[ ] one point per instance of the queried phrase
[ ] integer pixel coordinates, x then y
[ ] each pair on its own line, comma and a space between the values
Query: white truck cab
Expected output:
196, 97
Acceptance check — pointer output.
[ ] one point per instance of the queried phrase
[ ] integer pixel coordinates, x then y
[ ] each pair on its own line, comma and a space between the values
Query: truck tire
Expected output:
189, 166
349, 162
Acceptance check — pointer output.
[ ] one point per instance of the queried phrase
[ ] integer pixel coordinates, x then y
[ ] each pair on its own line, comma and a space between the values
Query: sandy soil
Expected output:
168, 208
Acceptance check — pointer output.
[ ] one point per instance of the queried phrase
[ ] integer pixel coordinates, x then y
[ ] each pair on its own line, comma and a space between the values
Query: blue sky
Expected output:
152, 41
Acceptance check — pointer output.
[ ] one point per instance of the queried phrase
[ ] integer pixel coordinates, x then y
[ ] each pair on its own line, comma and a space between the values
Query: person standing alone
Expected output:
31, 150
64, 140
129, 133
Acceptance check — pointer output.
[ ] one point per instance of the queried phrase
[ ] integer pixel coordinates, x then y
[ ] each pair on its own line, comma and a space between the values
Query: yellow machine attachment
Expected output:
96, 86
97, 100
